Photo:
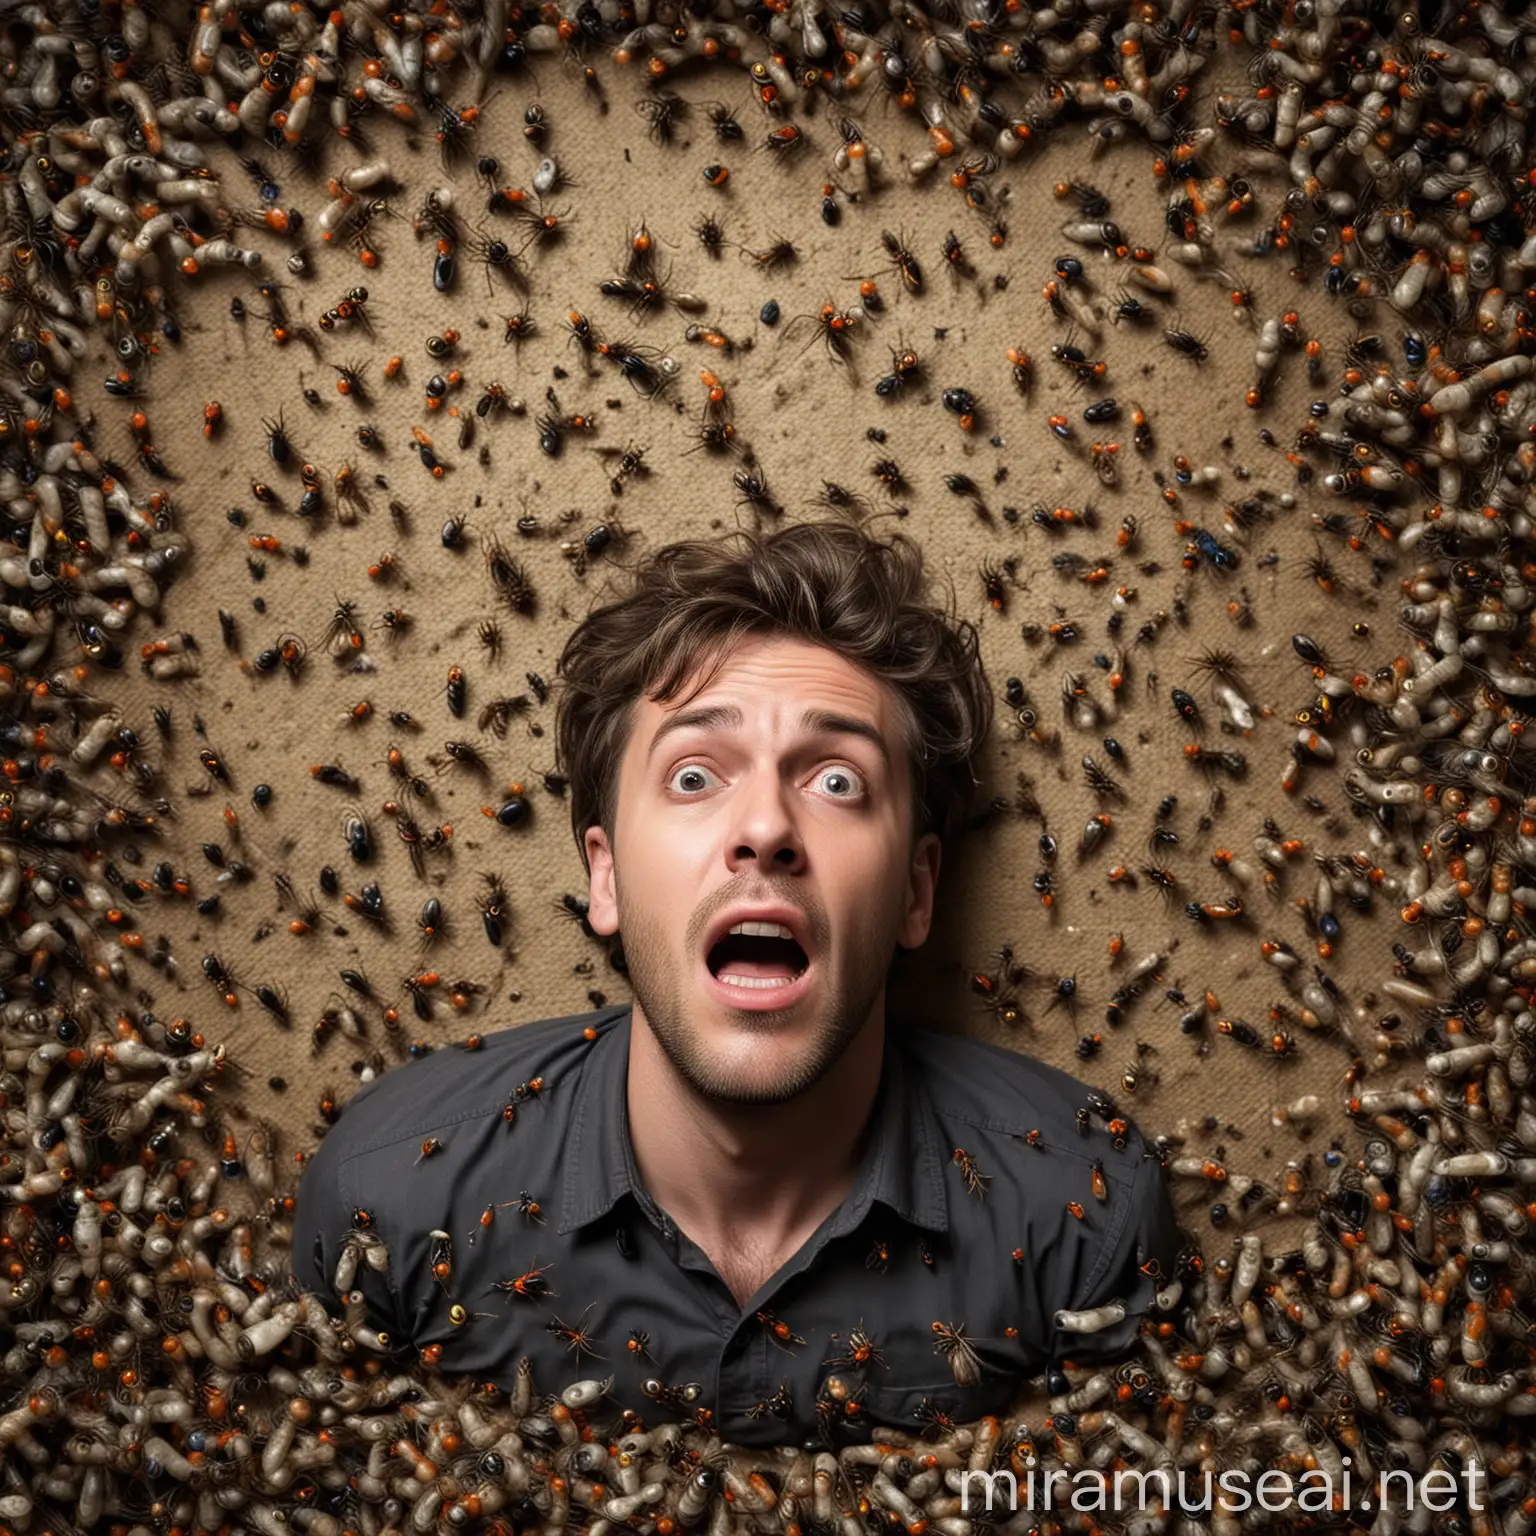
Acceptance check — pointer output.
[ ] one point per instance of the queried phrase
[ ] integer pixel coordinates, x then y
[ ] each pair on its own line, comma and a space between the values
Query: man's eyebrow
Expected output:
820, 722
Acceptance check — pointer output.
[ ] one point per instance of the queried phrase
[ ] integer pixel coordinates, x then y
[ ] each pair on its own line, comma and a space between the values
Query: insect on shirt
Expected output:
993, 1192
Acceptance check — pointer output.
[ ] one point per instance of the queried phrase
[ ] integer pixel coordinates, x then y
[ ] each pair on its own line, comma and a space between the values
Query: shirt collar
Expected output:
901, 1166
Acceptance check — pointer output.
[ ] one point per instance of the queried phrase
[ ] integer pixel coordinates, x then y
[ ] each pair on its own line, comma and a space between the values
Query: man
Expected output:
743, 1195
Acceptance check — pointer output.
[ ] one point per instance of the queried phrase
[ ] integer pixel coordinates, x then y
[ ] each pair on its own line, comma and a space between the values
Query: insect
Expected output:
493, 398
955, 257
905, 367
722, 119
1129, 308
753, 485
221, 978
1320, 568
898, 249
275, 1000
493, 907
351, 380
1221, 665
1099, 781
1022, 370
419, 988
497, 716
574, 1336
996, 580
778, 253
859, 1352
975, 1180
662, 111
440, 1257
279, 444
780, 1405
962, 403
530, 1284
1084, 370
779, 1329
710, 233
1186, 343
832, 325
964, 1363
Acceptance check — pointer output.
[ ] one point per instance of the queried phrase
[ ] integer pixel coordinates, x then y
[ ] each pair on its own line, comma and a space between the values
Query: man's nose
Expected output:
765, 832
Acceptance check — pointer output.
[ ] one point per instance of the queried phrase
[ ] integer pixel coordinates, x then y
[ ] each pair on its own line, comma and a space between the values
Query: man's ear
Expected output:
922, 882
602, 897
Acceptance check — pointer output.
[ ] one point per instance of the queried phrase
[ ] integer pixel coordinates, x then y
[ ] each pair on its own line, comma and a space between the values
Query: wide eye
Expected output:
852, 782
691, 770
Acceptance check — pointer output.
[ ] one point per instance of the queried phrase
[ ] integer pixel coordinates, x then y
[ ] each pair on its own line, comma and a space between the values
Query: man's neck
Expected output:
749, 1183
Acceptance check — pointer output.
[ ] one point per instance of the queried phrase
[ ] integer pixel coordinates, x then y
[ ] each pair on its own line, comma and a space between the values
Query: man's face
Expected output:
756, 809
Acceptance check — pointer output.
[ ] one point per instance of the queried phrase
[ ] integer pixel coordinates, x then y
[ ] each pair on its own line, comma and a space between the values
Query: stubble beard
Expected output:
662, 989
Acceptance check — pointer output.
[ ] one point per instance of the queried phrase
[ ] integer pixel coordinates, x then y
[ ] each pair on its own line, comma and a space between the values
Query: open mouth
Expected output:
760, 958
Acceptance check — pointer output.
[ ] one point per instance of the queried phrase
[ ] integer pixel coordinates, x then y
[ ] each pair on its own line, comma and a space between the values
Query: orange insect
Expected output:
975, 1180
530, 1284
780, 1330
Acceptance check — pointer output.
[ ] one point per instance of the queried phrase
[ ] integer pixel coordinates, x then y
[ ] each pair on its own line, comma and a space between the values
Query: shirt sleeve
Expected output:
1135, 1260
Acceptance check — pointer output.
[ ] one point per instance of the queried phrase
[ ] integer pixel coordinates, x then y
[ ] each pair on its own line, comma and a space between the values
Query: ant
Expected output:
574, 1336
833, 325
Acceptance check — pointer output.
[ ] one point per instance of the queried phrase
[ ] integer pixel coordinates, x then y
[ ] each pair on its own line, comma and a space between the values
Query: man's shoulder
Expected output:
459, 1082
994, 1089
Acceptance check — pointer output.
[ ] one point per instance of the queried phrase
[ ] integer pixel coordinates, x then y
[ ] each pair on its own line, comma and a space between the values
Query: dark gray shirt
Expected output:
984, 1202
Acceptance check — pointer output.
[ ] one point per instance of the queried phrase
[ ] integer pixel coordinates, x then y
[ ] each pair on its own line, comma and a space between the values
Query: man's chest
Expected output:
876, 1327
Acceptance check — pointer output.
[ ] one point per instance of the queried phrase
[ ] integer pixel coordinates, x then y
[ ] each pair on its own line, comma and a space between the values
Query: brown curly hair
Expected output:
826, 582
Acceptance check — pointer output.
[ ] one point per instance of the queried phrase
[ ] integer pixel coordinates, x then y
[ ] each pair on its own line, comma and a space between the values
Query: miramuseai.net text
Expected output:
1232, 1490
